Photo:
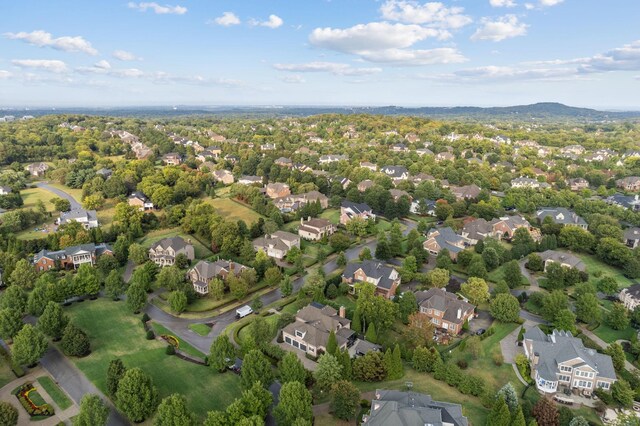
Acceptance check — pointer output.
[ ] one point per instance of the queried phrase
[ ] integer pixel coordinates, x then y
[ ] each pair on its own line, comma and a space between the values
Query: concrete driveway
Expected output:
483, 320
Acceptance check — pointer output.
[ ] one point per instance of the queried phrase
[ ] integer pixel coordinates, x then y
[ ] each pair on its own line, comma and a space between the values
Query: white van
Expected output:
244, 311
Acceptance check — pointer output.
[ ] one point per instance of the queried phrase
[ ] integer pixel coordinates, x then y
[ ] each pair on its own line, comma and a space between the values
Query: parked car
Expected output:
480, 332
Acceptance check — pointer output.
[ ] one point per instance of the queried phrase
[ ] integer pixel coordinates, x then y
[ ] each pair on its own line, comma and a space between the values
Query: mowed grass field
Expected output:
30, 196
233, 210
593, 265
201, 251
116, 333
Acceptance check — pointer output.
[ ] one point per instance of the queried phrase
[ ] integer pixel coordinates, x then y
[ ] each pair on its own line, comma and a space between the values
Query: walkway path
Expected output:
60, 193
533, 281
604, 345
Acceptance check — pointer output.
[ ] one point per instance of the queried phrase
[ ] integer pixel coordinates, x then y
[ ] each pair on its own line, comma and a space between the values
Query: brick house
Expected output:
70, 257
138, 199
203, 272
445, 309
385, 278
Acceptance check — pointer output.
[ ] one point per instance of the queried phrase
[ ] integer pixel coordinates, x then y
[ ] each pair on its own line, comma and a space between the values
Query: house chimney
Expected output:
459, 313
232, 266
342, 312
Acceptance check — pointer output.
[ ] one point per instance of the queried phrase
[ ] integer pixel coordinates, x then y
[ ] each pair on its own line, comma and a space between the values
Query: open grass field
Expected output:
30, 196
105, 214
59, 397
233, 210
6, 375
201, 251
204, 389
610, 335
184, 346
332, 215
593, 265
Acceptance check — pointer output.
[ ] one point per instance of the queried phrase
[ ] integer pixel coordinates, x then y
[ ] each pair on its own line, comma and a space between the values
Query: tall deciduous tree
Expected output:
114, 285
136, 396
345, 397
114, 373
328, 371
24, 275
75, 342
505, 308
93, 412
222, 350
86, 280
178, 301
10, 323
256, 368
28, 346
476, 289
53, 321
173, 411
291, 369
15, 298
136, 297
545, 412
295, 403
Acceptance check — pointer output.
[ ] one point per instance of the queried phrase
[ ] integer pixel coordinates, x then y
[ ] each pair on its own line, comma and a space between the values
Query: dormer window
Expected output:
299, 333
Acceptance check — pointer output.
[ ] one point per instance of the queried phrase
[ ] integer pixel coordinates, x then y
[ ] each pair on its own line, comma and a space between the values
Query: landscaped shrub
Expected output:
462, 364
170, 350
22, 393
498, 359
365, 403
150, 335
145, 317
273, 351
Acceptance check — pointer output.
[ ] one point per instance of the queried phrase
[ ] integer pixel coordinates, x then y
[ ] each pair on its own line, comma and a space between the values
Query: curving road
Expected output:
60, 193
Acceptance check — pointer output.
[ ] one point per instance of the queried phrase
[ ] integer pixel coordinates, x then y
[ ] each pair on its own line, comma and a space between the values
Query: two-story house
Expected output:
467, 192
172, 159
631, 183
525, 182
315, 229
165, 251
561, 360
224, 176
631, 237
310, 331
70, 257
445, 309
293, 202
277, 190
445, 238
578, 184
366, 184
139, 200
385, 278
561, 216
350, 210
87, 218
397, 173
250, 180
204, 271
630, 297
277, 245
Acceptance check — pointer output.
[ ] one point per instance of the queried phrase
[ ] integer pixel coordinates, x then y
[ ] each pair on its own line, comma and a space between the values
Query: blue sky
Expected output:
320, 52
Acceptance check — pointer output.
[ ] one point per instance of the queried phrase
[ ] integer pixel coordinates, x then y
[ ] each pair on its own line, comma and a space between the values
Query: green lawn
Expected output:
114, 332
184, 346
36, 398
54, 391
347, 301
610, 335
233, 210
440, 391
593, 264
272, 320
333, 215
201, 329
75, 193
201, 251
498, 274
6, 375
30, 196
106, 213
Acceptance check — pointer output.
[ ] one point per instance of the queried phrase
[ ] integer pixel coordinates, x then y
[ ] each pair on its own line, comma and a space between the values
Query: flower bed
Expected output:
22, 393
172, 340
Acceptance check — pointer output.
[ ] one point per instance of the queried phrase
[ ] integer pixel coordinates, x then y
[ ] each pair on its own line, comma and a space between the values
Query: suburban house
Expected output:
424, 151
210, 152
365, 184
567, 260
467, 192
310, 331
628, 202
525, 182
445, 156
165, 251
172, 159
87, 218
250, 180
561, 216
224, 176
477, 230
631, 183
368, 165
38, 169
385, 278
283, 162
445, 238
138, 199
503, 227
328, 159
315, 229
268, 147
203, 272
397, 408
560, 360
69, 257
399, 147
396, 172
5, 190
578, 184
445, 309
423, 207
631, 237
630, 297
277, 190
291, 203
396, 194
233, 159
105, 173
350, 210
278, 244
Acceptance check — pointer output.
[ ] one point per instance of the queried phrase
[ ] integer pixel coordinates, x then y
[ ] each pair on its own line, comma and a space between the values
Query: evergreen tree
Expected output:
332, 343
295, 403
75, 341
345, 362
114, 373
518, 418
356, 324
371, 334
499, 414
508, 392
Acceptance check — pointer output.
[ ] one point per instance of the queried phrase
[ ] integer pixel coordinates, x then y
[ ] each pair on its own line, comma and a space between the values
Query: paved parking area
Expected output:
483, 320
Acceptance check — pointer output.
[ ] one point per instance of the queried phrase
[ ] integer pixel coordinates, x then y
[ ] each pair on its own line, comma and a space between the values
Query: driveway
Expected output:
483, 320
74, 203
533, 281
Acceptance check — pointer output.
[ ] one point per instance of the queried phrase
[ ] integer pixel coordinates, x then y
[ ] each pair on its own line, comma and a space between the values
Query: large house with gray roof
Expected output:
391, 407
165, 251
385, 278
350, 210
277, 245
561, 360
70, 257
562, 216
630, 297
631, 237
445, 309
565, 259
445, 238
87, 218
203, 272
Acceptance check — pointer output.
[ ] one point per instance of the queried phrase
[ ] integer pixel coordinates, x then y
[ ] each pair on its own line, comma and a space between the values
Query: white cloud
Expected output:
433, 14
503, 28
123, 55
158, 9
549, 3
43, 64
330, 67
502, 3
4, 74
386, 43
293, 79
273, 22
226, 20
500, 73
103, 64
44, 39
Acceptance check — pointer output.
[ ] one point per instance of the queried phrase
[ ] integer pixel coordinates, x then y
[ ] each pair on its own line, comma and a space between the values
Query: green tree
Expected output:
341, 260
138, 254
272, 276
356, 324
438, 277
286, 287
490, 258
93, 412
608, 285
216, 288
505, 308
588, 309
256, 368
476, 289
114, 373
371, 334
53, 321
576, 239
474, 347
173, 411
518, 418
382, 250
8, 414
426, 359
238, 286
178, 301
136, 396
407, 305
86, 280
29, 345
622, 393
171, 278
14, 297
535, 263
499, 414
512, 275
443, 260
328, 371
10, 323
365, 254
294, 403
616, 353
510, 396
216, 418
221, 353
477, 268
136, 297
24, 275
553, 303
578, 421
393, 364
565, 320
369, 368
345, 397
617, 317
75, 342
291, 369
114, 285
332, 343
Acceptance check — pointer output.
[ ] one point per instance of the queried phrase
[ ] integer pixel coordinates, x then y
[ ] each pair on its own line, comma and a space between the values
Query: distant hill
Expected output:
543, 110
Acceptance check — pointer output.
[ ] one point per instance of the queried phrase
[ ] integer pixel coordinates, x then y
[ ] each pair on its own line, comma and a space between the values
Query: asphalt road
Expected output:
74, 203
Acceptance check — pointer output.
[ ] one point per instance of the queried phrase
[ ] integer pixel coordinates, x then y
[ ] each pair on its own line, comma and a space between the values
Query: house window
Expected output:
564, 378
287, 339
299, 333
435, 321
565, 369
303, 347
603, 385
445, 325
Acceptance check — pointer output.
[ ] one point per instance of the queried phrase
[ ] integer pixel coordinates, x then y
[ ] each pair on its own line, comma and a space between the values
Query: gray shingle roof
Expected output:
443, 301
372, 269
412, 409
